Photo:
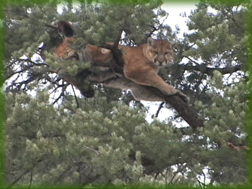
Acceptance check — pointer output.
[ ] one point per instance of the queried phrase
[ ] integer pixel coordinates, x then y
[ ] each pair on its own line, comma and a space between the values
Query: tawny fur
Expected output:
142, 64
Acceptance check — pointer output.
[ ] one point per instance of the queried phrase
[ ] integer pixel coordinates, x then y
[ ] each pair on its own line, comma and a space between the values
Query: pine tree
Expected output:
54, 136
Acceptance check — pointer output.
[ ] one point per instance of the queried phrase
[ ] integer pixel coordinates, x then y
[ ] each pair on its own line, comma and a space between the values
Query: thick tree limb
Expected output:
183, 108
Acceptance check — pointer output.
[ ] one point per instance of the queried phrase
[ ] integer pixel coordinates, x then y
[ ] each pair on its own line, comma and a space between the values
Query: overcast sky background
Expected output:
174, 10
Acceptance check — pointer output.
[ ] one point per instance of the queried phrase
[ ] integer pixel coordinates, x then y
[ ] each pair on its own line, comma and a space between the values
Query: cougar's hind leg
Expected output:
103, 76
141, 93
152, 79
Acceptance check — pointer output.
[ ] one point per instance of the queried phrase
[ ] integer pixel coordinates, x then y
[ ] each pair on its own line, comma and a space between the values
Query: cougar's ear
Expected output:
150, 41
173, 44
65, 28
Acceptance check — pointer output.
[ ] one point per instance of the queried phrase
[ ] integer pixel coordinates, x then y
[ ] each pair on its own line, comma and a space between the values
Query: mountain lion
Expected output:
141, 66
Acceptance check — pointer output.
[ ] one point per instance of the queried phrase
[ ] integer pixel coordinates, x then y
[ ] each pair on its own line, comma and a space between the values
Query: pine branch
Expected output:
159, 108
75, 97
51, 26
18, 178
60, 95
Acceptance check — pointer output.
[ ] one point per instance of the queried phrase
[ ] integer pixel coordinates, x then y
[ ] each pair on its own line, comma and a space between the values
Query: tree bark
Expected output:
183, 108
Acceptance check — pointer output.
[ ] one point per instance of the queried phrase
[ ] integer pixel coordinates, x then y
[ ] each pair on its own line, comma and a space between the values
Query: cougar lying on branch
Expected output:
139, 69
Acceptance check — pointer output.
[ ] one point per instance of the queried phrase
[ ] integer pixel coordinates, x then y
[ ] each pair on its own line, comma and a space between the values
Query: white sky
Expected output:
174, 10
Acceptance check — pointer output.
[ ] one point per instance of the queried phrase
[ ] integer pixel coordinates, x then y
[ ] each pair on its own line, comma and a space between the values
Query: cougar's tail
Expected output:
65, 28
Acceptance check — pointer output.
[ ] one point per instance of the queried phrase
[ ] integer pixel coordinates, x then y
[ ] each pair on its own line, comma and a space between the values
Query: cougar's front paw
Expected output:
184, 97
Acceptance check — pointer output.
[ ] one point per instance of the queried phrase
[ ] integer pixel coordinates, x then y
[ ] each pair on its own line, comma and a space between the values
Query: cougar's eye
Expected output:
155, 52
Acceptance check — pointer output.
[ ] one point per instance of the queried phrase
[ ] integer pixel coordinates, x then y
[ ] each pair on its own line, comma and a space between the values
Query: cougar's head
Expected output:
159, 52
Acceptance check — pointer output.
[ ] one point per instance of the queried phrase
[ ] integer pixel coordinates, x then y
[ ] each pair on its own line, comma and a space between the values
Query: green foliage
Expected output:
226, 124
95, 142
76, 146
219, 37
106, 139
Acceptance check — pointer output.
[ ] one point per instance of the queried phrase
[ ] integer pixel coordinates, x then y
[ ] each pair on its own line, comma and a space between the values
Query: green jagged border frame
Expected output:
2, 107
